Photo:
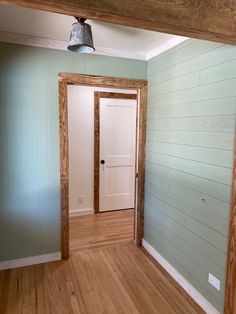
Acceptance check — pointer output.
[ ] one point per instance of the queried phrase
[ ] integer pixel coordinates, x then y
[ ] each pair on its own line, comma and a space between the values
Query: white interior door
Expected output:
118, 151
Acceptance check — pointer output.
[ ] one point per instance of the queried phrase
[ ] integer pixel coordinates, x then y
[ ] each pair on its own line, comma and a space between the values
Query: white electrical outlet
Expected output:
214, 281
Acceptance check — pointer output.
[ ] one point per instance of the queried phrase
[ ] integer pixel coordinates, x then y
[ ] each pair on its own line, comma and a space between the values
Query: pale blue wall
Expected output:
29, 141
190, 134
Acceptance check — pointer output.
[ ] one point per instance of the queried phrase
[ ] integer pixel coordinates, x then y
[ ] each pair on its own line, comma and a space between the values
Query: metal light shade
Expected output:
81, 39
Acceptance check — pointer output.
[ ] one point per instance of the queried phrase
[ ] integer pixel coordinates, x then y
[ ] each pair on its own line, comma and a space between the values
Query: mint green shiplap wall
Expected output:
29, 141
190, 132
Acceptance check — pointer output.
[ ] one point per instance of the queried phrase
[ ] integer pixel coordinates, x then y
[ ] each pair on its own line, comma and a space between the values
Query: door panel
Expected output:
118, 150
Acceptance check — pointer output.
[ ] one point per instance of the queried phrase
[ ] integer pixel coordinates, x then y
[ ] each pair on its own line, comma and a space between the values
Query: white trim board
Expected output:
81, 212
166, 46
35, 41
196, 296
29, 40
33, 260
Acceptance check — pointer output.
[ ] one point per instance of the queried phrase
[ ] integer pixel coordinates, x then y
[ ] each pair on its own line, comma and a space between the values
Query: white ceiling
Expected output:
39, 28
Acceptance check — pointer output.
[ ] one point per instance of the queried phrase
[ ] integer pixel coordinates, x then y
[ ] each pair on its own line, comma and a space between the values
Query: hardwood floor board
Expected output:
133, 282
100, 230
165, 285
106, 274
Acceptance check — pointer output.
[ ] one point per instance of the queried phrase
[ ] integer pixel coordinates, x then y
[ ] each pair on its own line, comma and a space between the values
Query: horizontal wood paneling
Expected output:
202, 124
180, 54
202, 139
208, 250
219, 89
189, 159
215, 223
197, 61
195, 109
186, 248
212, 188
185, 265
185, 81
210, 204
199, 169
205, 232
203, 154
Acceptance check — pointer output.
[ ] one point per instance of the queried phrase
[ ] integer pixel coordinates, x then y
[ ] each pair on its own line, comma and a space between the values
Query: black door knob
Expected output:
102, 162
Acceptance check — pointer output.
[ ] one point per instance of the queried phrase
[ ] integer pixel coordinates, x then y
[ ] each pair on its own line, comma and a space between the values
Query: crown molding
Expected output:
166, 46
34, 41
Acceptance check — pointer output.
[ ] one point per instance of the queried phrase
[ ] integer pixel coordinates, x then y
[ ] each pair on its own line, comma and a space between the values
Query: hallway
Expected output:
106, 273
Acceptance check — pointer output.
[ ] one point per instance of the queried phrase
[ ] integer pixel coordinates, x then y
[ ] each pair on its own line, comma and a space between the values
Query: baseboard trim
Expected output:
81, 212
194, 294
32, 260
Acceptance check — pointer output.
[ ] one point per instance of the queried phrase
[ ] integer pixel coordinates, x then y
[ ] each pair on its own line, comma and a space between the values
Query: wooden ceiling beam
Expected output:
211, 20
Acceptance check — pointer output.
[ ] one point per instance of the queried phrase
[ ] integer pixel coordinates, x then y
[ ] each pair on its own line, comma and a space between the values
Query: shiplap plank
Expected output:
198, 93
211, 156
211, 188
202, 139
219, 55
184, 266
216, 107
186, 248
189, 208
184, 52
209, 251
209, 235
207, 203
204, 124
182, 82
187, 262
220, 72
213, 173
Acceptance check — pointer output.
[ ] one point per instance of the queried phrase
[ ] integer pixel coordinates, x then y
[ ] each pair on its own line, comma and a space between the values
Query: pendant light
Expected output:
81, 39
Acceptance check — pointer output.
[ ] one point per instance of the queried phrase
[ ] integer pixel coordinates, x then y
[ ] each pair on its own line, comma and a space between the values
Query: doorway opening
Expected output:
118, 173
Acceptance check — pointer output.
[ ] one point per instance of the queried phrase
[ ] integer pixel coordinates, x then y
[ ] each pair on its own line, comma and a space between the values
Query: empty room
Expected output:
117, 172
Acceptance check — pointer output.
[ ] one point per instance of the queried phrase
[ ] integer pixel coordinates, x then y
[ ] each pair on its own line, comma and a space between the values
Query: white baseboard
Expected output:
81, 212
32, 260
196, 296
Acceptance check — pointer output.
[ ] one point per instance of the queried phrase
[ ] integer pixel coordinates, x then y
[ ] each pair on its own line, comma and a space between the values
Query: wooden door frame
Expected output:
97, 96
230, 287
66, 79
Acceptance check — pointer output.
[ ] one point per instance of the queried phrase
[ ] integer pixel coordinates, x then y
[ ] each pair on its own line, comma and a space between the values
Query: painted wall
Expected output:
29, 141
190, 132
81, 146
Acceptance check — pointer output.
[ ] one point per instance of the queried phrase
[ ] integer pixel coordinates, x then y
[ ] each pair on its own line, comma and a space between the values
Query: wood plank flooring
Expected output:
106, 274
108, 228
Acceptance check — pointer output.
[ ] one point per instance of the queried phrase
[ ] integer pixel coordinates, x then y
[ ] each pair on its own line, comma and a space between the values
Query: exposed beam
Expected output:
204, 19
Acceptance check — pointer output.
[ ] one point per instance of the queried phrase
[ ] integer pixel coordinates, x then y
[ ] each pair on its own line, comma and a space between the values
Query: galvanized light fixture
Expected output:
81, 39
